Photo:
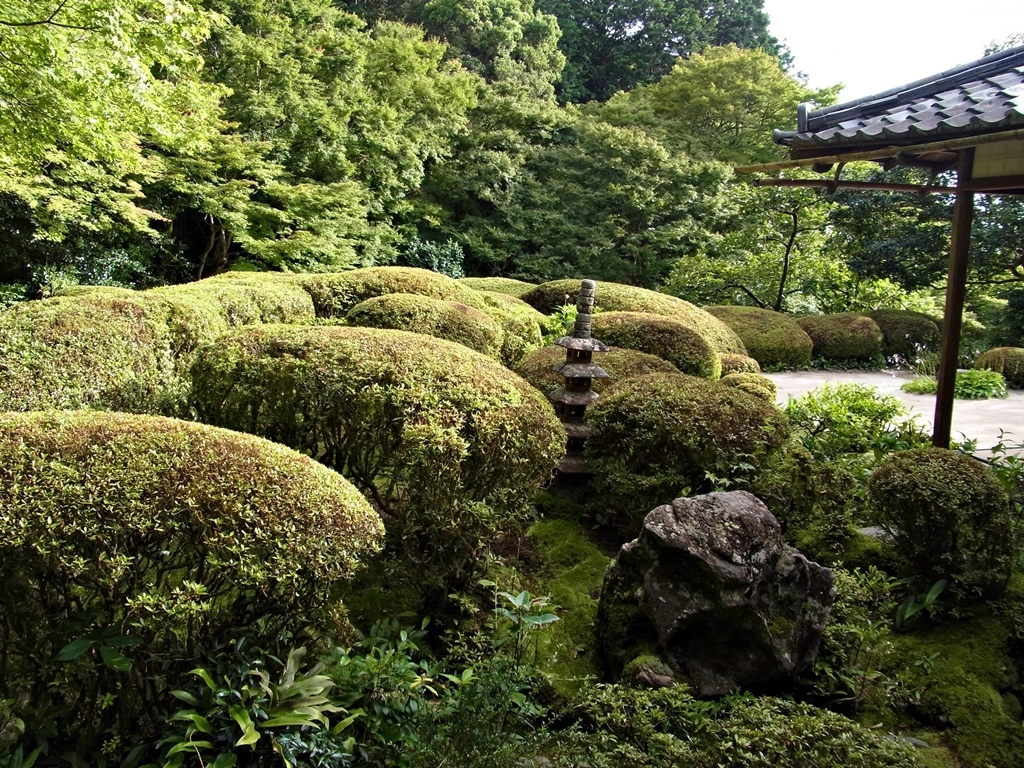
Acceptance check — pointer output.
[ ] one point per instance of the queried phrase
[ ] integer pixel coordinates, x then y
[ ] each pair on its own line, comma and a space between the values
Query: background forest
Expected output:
154, 142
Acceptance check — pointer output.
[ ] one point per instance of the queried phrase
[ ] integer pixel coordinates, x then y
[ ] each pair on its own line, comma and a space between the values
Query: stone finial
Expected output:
584, 309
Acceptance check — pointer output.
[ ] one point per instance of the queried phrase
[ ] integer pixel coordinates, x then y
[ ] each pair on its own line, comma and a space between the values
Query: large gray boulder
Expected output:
709, 590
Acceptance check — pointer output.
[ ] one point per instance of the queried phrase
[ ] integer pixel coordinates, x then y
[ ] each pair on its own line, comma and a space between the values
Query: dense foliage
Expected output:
664, 436
771, 338
626, 298
662, 336
846, 337
949, 518
620, 364
133, 547
446, 443
1009, 361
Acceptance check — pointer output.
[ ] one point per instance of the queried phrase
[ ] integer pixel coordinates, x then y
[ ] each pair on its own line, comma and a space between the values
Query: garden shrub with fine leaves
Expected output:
505, 285
449, 320
905, 334
86, 351
773, 339
611, 297
621, 365
752, 383
665, 337
131, 547
663, 436
1009, 361
335, 293
949, 518
732, 363
843, 337
447, 443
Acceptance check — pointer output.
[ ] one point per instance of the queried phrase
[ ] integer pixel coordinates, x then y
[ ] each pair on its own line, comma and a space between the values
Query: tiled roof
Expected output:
982, 96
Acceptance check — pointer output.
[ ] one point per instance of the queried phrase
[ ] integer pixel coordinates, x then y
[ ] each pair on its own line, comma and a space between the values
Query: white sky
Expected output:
874, 45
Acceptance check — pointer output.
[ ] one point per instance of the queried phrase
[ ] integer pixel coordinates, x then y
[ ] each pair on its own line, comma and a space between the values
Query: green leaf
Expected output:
205, 677
188, 746
225, 760
75, 649
240, 716
251, 736
114, 660
187, 697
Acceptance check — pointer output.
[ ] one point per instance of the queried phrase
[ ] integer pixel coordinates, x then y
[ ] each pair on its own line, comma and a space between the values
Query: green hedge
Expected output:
134, 547
335, 293
843, 337
906, 334
949, 517
753, 384
449, 320
522, 325
627, 298
504, 285
738, 364
665, 337
249, 298
447, 443
86, 351
621, 365
1008, 361
773, 339
668, 435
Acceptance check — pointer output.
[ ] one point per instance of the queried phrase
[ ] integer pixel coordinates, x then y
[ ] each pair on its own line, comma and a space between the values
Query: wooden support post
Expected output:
956, 288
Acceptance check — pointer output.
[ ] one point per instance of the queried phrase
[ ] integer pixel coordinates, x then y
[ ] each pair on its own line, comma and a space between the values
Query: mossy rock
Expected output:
949, 517
842, 337
621, 365
663, 436
752, 383
1008, 361
738, 364
181, 536
612, 297
335, 293
773, 339
905, 334
503, 285
449, 320
522, 325
448, 443
664, 337
94, 350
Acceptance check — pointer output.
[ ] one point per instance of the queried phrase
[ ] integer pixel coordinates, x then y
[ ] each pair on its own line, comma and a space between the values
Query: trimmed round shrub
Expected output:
246, 298
845, 336
949, 517
1008, 361
663, 436
753, 384
448, 444
621, 365
665, 337
905, 334
92, 350
521, 324
773, 339
504, 285
133, 548
335, 293
421, 314
738, 364
627, 298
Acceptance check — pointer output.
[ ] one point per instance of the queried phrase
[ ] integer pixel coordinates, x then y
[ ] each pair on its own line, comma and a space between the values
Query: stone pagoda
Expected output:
579, 371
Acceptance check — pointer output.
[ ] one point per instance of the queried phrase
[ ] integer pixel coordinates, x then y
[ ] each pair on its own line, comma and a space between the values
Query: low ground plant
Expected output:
970, 385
